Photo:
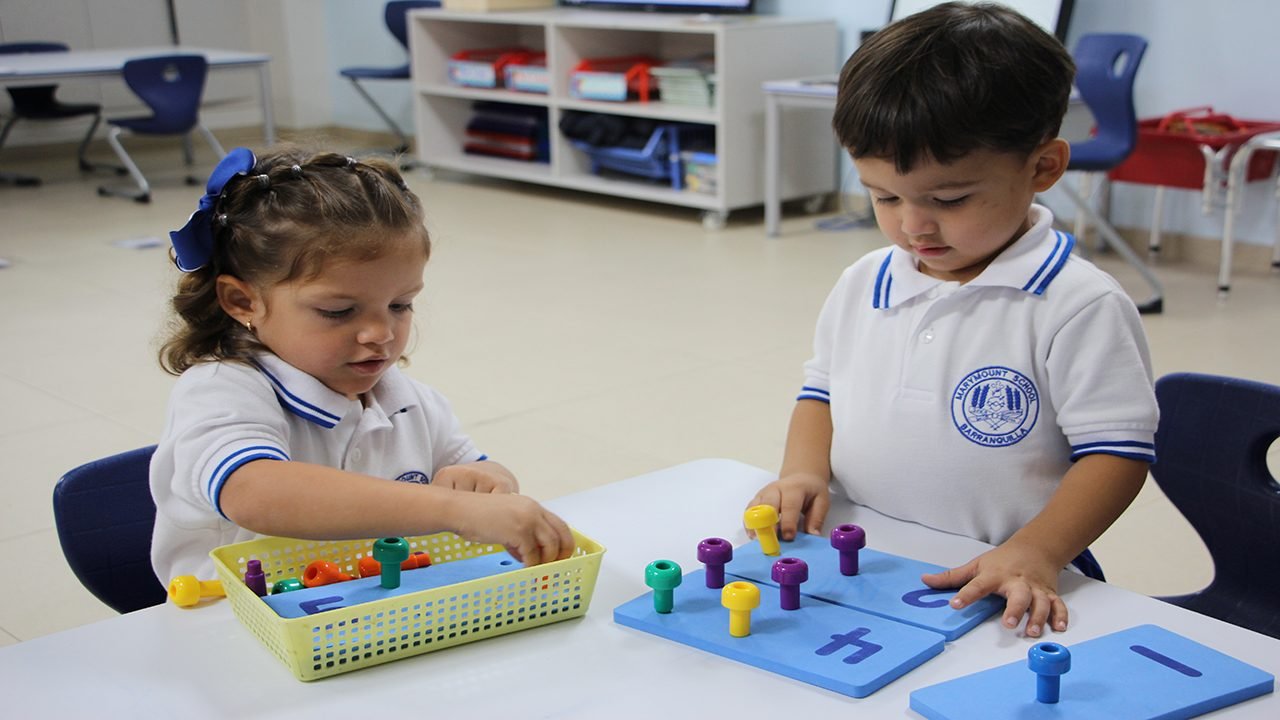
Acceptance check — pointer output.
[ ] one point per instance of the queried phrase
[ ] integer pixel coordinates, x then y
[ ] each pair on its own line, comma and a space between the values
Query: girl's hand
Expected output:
530, 532
480, 477
796, 496
1021, 574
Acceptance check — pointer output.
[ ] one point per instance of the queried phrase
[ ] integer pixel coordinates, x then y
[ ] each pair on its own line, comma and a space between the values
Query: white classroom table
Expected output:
42, 68
201, 663
803, 92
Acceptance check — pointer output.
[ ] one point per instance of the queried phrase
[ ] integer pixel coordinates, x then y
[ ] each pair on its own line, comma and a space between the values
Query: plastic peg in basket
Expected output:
286, 585
187, 590
255, 579
664, 577
368, 567
390, 552
323, 572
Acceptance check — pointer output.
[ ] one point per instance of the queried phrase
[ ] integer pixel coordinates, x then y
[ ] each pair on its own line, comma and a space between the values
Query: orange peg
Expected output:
323, 572
368, 567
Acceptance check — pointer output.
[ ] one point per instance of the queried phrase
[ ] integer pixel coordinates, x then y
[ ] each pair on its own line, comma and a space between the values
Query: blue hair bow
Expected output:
193, 244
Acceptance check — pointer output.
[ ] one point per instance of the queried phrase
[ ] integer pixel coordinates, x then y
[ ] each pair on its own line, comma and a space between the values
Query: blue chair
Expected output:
104, 514
1211, 461
172, 86
1106, 65
38, 102
395, 15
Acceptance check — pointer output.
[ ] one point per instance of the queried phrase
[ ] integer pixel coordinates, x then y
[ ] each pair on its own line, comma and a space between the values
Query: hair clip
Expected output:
351, 162
222, 219
193, 244
264, 180
296, 171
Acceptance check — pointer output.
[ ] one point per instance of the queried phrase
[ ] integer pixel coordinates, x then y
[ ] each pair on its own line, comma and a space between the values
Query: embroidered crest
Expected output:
413, 476
995, 406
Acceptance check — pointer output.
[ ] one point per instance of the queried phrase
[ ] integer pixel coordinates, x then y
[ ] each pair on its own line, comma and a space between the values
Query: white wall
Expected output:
358, 36
1224, 54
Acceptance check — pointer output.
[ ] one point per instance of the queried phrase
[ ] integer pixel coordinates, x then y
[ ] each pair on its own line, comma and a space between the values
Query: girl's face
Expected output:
347, 326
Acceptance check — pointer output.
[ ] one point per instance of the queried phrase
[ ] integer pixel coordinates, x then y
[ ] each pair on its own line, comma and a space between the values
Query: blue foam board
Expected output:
886, 585
1142, 673
834, 647
310, 601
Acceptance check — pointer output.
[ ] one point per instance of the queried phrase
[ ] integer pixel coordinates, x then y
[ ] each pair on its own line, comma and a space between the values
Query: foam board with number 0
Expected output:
1142, 673
886, 585
834, 647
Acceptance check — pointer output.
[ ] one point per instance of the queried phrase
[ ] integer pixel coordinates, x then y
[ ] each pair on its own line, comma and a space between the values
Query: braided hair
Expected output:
293, 214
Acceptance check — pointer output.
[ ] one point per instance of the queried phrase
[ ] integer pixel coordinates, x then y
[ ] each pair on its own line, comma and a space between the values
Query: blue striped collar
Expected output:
302, 394
1030, 264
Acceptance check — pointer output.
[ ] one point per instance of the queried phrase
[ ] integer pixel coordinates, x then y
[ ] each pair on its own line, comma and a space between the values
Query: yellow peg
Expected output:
187, 590
761, 519
740, 598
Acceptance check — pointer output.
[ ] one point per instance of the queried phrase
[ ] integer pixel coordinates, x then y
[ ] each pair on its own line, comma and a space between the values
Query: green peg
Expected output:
390, 552
663, 576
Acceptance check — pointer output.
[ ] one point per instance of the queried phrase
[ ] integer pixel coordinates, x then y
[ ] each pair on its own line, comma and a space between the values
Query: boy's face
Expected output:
350, 324
955, 218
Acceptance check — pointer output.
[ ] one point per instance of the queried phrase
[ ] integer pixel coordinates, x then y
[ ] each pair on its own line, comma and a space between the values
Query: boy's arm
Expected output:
302, 500
1024, 569
801, 487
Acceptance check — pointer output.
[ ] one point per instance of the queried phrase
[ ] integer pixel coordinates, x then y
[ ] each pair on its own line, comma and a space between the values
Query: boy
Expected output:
975, 377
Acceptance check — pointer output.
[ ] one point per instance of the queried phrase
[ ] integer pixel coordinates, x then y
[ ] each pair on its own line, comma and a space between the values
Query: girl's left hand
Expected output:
1017, 572
480, 477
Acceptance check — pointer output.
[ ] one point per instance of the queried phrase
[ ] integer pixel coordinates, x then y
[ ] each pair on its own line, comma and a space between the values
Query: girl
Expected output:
291, 416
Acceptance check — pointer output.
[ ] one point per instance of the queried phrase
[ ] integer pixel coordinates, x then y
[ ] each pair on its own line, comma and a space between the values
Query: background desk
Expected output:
201, 663
810, 93
43, 68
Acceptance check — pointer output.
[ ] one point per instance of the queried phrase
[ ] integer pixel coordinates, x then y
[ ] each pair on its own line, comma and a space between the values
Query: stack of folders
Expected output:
506, 130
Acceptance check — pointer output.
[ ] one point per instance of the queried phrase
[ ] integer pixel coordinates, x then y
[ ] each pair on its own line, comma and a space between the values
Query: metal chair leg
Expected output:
1154, 304
144, 189
14, 178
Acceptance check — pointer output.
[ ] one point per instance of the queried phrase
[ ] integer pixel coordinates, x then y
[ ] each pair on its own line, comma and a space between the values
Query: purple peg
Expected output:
848, 540
715, 552
254, 578
789, 572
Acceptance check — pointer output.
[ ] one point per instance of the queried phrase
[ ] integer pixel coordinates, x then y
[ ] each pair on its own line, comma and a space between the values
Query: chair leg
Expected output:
144, 189
213, 141
1155, 304
391, 124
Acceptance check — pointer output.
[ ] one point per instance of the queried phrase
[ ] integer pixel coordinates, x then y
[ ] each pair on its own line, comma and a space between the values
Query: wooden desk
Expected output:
43, 68
201, 663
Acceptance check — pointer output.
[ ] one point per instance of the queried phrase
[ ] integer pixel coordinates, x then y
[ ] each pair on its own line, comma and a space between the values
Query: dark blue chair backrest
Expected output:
1211, 461
30, 100
105, 515
1106, 65
396, 14
172, 86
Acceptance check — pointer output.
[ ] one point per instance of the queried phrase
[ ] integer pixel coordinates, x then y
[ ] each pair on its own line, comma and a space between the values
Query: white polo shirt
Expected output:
961, 407
224, 414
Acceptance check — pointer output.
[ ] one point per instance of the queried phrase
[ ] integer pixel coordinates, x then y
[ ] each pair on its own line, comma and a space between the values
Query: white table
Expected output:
42, 68
201, 663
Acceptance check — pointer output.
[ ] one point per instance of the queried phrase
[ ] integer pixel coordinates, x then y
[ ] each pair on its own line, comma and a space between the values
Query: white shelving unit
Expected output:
747, 52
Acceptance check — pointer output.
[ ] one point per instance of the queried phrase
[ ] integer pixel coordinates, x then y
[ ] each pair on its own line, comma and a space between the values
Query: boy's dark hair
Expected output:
950, 80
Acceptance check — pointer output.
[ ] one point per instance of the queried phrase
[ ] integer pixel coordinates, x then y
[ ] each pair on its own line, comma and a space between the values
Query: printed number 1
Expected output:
853, 639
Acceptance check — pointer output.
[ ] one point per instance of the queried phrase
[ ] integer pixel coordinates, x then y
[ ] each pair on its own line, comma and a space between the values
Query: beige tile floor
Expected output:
582, 339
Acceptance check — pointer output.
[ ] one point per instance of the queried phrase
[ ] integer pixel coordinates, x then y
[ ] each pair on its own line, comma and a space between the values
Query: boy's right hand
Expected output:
530, 532
796, 496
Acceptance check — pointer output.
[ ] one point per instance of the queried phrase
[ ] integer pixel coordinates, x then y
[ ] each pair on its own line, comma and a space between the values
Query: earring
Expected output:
248, 325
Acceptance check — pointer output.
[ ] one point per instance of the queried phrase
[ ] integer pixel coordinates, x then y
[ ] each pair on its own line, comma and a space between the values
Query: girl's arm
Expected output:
1093, 493
801, 488
301, 500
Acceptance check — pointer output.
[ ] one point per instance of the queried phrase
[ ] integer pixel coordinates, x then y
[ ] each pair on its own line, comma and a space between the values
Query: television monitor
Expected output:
1052, 15
689, 6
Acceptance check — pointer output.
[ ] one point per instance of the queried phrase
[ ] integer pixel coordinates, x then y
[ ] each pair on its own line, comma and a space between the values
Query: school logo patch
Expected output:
995, 406
413, 476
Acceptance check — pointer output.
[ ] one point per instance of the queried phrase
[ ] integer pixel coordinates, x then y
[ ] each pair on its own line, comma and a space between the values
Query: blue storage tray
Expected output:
659, 159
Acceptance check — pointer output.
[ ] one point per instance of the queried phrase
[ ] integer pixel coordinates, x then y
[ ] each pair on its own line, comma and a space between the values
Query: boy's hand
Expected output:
481, 477
530, 532
796, 496
1021, 574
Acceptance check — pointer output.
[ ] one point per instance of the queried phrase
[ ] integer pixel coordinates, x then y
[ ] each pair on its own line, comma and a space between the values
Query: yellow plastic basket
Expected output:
343, 639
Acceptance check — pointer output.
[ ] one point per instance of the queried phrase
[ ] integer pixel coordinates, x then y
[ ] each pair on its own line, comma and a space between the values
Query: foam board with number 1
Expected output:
834, 647
886, 585
1142, 673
